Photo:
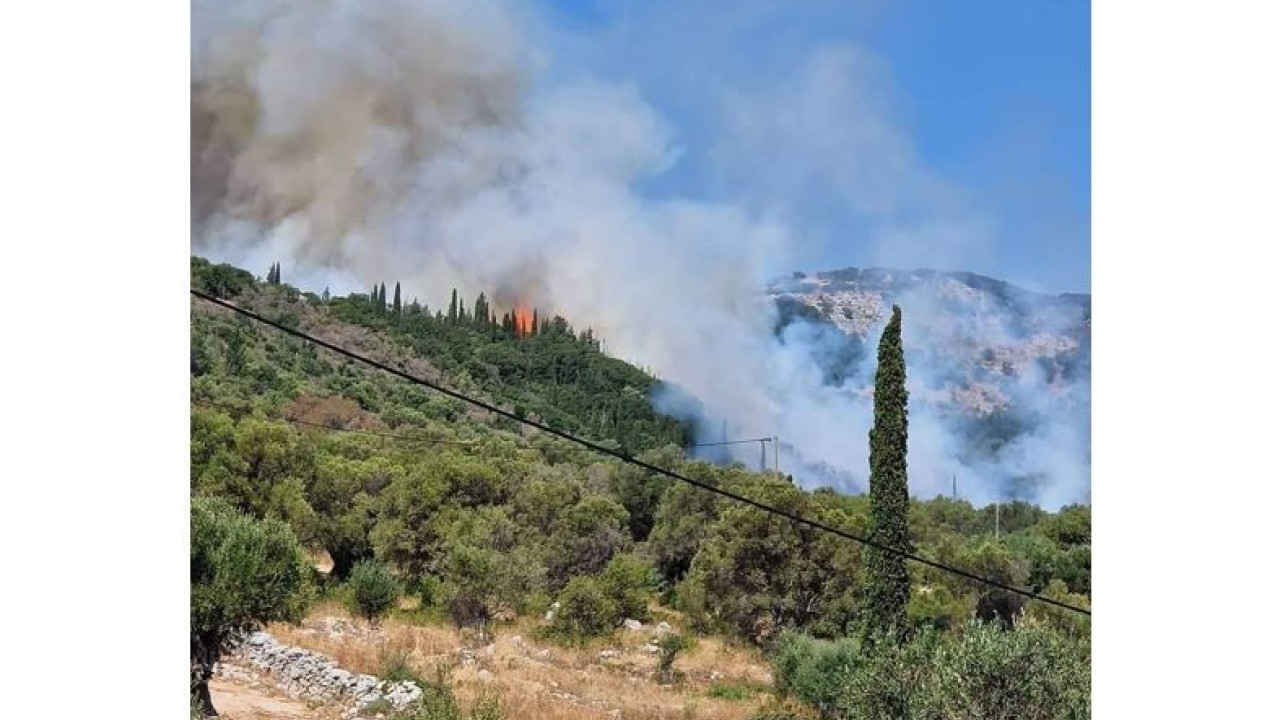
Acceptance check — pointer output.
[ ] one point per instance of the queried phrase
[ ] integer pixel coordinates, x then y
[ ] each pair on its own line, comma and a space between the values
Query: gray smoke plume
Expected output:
361, 142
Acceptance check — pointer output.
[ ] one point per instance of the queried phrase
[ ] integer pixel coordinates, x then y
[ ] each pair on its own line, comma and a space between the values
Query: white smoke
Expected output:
410, 140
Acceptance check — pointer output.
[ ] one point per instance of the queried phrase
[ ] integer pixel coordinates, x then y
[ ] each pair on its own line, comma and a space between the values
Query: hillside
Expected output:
1002, 372
494, 530
981, 335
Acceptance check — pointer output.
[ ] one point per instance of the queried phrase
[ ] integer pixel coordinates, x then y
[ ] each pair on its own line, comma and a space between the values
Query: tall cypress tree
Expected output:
382, 296
888, 586
395, 303
453, 306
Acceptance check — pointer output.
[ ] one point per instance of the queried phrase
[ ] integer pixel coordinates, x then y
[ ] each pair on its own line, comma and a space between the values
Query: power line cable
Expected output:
640, 463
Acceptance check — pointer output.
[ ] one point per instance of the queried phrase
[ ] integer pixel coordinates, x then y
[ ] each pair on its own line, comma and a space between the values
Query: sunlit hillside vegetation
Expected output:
487, 523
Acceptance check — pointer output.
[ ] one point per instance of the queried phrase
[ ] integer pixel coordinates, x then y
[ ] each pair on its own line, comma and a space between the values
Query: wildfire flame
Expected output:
524, 320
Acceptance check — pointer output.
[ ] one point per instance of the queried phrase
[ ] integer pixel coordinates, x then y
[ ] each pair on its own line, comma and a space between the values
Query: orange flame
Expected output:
524, 320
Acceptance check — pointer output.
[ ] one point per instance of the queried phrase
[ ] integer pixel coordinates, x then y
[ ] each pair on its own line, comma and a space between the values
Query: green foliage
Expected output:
756, 573
627, 581
669, 646
222, 280
980, 671
374, 588
585, 611
812, 670
244, 572
1030, 673
888, 586
585, 537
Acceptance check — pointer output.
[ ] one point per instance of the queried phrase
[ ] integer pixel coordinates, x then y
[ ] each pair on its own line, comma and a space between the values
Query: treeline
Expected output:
546, 371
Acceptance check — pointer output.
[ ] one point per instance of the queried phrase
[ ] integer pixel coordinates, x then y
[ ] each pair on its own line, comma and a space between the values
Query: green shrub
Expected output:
669, 646
585, 611
374, 589
984, 670
1028, 673
811, 670
627, 581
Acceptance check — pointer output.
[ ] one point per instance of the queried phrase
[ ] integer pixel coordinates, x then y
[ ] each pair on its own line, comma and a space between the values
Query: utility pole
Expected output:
775, 453
953, 486
764, 461
997, 519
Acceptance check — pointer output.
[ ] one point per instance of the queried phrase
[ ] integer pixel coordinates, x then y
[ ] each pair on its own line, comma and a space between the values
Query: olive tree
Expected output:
244, 572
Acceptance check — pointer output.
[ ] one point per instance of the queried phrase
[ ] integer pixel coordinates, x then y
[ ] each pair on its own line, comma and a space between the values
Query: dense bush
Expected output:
244, 572
374, 589
981, 671
585, 611
627, 581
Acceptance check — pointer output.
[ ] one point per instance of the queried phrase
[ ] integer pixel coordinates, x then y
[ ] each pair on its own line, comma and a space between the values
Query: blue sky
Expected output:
918, 132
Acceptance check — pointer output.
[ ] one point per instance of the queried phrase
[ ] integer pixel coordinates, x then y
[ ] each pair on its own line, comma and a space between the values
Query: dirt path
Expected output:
241, 702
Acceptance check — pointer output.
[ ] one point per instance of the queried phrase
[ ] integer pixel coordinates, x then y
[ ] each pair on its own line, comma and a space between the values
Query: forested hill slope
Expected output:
489, 524
542, 369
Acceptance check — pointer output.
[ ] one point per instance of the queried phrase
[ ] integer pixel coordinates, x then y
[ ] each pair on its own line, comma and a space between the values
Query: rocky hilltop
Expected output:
973, 340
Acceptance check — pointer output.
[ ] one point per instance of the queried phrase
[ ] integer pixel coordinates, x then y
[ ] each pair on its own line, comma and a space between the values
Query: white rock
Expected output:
632, 625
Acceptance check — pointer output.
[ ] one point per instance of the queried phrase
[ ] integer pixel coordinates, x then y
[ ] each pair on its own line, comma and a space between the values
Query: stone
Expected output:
632, 625
609, 654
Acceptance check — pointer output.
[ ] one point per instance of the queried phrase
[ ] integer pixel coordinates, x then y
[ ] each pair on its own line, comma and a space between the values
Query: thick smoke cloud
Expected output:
404, 140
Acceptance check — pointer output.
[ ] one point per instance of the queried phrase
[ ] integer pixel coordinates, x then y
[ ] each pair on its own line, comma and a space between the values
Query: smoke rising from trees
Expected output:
415, 141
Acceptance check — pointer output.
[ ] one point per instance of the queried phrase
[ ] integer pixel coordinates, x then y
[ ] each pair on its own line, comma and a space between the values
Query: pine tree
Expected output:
325, 296
395, 303
453, 306
888, 586
482, 310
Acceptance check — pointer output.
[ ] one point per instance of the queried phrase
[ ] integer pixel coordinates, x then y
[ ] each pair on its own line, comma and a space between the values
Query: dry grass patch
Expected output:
541, 681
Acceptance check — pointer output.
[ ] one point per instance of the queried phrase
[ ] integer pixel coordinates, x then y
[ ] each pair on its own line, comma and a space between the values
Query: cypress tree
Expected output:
395, 303
533, 327
888, 586
453, 306
382, 296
